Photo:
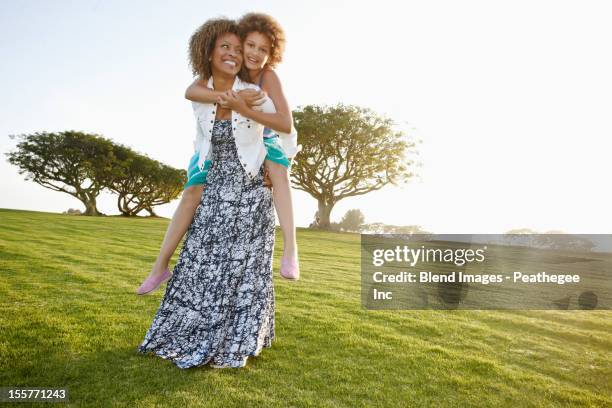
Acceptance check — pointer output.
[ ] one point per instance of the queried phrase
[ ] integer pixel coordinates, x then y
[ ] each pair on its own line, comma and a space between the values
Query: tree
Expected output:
166, 186
142, 183
352, 221
83, 165
559, 240
382, 228
552, 239
346, 151
72, 162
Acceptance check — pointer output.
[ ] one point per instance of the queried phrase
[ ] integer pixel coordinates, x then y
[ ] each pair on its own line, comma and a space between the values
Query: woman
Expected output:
219, 307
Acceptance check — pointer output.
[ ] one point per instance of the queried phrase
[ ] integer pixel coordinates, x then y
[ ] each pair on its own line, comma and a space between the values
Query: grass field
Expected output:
69, 318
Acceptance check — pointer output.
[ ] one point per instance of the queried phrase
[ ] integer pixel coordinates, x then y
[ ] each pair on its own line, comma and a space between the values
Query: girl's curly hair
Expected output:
269, 27
202, 44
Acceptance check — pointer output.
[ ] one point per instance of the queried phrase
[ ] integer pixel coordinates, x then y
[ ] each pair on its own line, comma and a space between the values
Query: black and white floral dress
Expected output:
218, 307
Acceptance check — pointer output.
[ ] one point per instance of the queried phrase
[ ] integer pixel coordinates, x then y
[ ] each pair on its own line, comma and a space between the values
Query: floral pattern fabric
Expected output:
218, 307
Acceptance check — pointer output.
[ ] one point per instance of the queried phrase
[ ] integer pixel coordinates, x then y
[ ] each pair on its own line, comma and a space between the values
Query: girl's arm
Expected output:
199, 92
282, 120
272, 86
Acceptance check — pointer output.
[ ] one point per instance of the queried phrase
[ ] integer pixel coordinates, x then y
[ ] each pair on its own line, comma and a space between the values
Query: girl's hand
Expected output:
252, 97
221, 103
231, 100
266, 180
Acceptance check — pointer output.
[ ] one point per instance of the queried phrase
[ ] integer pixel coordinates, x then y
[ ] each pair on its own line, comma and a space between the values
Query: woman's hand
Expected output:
231, 100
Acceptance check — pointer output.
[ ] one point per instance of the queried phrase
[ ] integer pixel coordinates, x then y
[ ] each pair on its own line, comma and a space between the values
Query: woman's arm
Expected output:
281, 121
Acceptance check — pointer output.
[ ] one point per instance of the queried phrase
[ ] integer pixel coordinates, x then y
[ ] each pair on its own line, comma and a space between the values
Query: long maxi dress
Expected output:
219, 304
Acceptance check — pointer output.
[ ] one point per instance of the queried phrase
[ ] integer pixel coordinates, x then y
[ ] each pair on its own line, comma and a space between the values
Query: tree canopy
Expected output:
83, 165
352, 221
347, 151
142, 183
71, 162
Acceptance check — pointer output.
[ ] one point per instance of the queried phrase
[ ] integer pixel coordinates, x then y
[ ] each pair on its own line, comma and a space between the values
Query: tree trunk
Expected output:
123, 203
325, 209
88, 198
122, 206
91, 207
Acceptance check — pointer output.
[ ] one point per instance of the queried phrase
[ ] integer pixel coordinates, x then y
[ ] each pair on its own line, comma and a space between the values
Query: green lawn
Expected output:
70, 318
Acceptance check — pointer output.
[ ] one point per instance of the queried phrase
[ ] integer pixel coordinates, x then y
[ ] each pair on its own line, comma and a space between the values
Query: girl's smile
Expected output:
257, 48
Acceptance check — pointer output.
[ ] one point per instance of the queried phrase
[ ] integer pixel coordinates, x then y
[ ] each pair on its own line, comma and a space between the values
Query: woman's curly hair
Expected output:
269, 27
202, 44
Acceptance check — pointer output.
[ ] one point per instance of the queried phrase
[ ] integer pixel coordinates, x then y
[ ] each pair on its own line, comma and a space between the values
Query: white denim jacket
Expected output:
248, 134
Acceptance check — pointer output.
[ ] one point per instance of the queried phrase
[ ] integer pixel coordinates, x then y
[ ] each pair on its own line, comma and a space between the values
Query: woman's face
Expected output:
227, 55
257, 48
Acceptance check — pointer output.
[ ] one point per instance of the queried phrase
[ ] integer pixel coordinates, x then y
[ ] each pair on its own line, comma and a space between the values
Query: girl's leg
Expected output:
281, 192
181, 220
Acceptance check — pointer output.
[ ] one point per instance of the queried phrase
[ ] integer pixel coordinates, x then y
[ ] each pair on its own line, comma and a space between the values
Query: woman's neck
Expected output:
223, 82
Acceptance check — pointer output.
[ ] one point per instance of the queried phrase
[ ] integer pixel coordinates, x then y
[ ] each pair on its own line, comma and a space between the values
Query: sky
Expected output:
512, 100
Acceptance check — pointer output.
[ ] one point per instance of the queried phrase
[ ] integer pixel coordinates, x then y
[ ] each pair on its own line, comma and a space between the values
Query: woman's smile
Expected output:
227, 54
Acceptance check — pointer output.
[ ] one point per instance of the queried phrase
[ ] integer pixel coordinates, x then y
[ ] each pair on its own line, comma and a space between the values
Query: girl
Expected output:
263, 44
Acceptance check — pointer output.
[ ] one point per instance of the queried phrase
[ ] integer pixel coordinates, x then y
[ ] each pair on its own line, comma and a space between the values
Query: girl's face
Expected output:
257, 49
226, 57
